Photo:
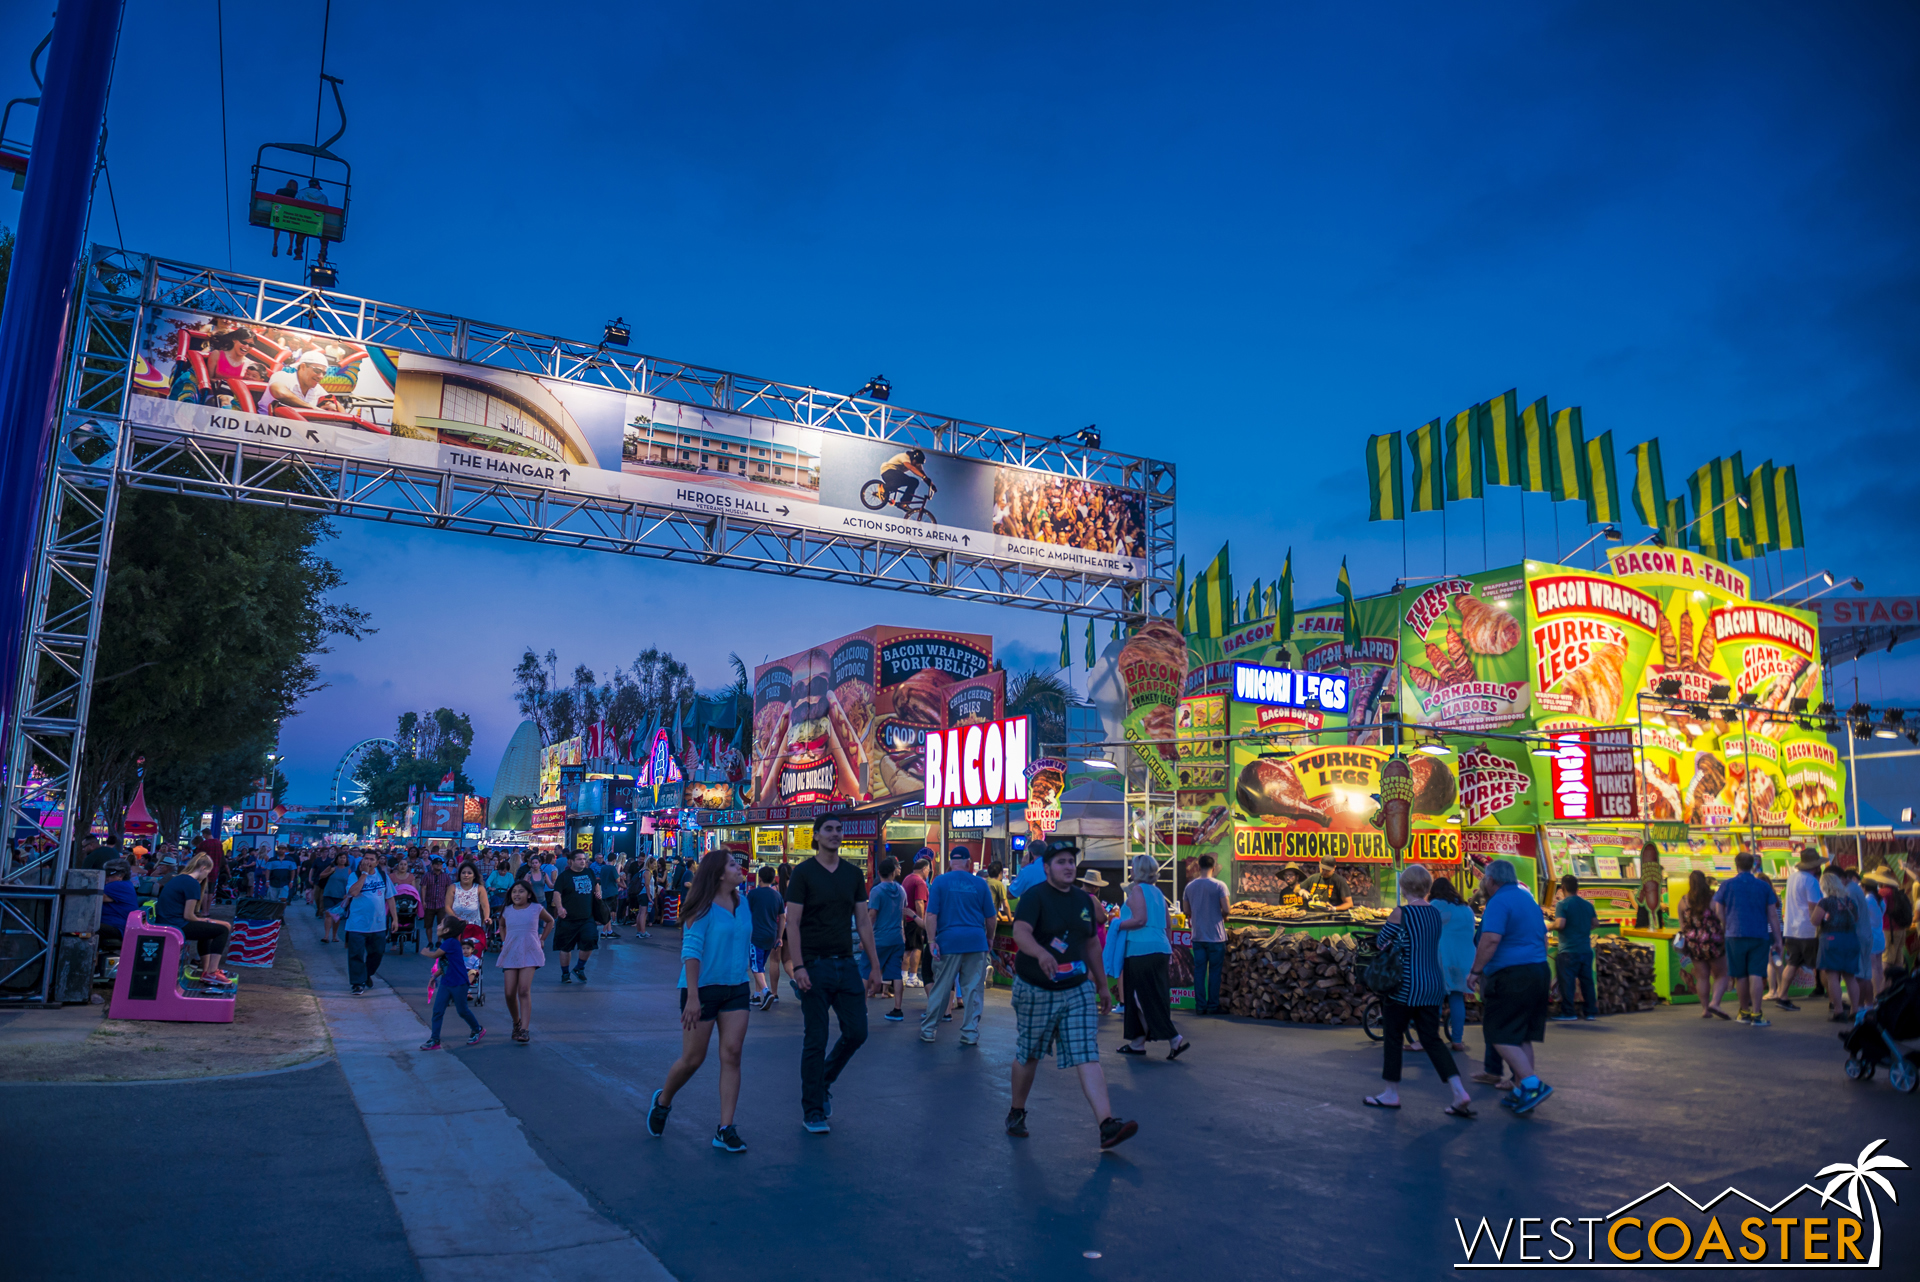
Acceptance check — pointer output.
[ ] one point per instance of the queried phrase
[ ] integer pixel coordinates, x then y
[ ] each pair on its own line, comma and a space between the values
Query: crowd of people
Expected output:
1053, 509
1077, 951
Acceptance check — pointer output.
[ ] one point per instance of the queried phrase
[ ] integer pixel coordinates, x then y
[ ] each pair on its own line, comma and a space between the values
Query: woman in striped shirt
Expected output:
1416, 926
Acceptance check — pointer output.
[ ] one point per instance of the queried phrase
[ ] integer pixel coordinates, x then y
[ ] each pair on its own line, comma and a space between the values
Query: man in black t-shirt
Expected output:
1054, 928
826, 899
576, 906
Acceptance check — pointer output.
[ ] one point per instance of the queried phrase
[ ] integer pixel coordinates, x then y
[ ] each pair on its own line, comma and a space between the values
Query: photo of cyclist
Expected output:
903, 473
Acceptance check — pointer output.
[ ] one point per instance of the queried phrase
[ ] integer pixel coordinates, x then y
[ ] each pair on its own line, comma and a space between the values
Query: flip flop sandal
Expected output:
1461, 1110
1126, 1049
1374, 1102
1184, 1046
1720, 1014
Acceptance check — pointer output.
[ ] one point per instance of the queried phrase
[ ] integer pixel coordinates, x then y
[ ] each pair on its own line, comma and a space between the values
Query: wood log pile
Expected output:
1292, 976
1623, 976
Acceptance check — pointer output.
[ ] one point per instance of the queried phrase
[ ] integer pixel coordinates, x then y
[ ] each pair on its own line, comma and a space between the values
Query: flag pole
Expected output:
1485, 559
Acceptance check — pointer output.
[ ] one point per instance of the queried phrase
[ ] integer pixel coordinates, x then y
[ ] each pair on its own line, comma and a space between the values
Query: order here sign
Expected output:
984, 764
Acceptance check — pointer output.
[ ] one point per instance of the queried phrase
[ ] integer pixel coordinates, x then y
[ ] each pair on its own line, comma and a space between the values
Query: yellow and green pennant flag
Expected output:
1569, 456
1180, 597
1704, 484
1116, 631
1759, 493
1603, 487
1254, 611
1283, 601
1213, 598
1349, 619
1787, 535
1385, 499
1649, 484
1500, 439
1673, 530
1090, 652
1464, 476
1536, 448
1424, 444
1066, 646
1736, 518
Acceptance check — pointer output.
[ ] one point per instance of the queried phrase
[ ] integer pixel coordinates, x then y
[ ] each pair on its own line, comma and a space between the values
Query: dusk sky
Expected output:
1239, 238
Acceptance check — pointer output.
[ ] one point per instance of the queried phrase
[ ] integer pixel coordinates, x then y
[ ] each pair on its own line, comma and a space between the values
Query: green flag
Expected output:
1254, 612
1736, 518
1603, 487
1759, 493
1569, 456
1536, 448
1180, 596
1066, 646
1464, 475
1424, 444
1674, 530
1385, 501
1213, 598
1116, 631
1787, 535
1500, 439
1649, 484
1090, 652
1705, 487
1283, 603
1349, 619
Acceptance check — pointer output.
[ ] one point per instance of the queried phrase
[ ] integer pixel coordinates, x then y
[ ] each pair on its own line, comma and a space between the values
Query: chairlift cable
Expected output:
320, 93
226, 165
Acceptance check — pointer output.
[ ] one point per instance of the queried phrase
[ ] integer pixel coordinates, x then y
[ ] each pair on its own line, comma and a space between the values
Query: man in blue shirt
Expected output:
1573, 919
1751, 911
1510, 970
1035, 870
959, 910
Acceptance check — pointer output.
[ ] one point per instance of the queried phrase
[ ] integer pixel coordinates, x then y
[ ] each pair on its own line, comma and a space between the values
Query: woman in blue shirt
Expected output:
716, 932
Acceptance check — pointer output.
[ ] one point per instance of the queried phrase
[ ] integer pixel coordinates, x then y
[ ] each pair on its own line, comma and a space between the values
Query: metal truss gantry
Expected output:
98, 453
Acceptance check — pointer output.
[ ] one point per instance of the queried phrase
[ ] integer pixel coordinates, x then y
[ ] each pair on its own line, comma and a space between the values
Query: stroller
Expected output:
406, 914
476, 991
1878, 1032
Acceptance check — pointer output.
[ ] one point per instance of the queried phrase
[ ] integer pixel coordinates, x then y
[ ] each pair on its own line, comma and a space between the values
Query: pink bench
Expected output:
148, 985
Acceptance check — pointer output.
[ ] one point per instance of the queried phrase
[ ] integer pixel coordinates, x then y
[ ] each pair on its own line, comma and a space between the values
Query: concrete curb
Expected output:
477, 1203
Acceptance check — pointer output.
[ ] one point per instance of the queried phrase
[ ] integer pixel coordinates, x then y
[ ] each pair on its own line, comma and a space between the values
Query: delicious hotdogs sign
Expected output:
229, 377
848, 720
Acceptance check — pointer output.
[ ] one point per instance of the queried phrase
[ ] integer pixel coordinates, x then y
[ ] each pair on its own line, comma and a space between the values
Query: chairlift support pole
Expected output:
34, 332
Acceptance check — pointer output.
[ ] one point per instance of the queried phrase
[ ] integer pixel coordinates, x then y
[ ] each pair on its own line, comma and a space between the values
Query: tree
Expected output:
1043, 696
432, 746
655, 685
213, 616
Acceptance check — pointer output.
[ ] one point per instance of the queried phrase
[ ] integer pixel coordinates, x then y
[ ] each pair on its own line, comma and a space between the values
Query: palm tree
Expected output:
1855, 1176
1043, 696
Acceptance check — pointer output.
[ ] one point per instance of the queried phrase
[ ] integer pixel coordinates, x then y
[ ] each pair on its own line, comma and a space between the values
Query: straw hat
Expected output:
1809, 859
1092, 877
1880, 876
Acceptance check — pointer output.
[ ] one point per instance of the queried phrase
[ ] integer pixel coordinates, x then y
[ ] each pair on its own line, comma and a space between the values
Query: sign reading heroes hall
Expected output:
977, 765
1286, 688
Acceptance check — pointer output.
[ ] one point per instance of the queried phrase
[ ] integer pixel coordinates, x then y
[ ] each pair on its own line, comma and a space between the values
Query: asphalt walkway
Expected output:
1254, 1150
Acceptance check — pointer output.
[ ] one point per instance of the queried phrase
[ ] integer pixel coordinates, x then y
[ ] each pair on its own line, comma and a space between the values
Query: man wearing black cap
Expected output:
1053, 1004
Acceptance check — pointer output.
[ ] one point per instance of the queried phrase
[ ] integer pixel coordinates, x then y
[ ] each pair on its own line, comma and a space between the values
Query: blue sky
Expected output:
1240, 238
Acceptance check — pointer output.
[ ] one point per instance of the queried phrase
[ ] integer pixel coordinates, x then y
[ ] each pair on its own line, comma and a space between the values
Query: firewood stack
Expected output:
1623, 974
1292, 976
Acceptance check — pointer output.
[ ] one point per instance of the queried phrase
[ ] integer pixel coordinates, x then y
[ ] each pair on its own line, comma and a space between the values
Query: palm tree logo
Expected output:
1855, 1177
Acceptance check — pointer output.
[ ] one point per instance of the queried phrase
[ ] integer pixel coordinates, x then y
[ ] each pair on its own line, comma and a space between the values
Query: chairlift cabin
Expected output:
301, 198
302, 189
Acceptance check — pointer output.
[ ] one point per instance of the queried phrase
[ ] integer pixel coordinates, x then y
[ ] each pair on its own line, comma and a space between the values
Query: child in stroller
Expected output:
406, 916
1879, 1030
456, 974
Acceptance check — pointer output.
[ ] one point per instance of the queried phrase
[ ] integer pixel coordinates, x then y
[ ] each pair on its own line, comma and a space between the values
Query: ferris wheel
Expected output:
347, 791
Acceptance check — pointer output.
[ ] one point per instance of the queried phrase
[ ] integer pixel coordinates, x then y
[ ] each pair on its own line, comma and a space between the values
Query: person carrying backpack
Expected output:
1838, 920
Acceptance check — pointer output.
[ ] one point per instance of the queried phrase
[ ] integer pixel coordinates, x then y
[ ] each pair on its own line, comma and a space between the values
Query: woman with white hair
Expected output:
1415, 928
1836, 917
1139, 942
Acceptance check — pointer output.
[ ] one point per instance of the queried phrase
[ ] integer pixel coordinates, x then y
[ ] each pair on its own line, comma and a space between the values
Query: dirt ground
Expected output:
276, 1024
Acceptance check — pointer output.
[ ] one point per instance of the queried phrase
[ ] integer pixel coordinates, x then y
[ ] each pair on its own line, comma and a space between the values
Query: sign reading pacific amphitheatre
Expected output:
229, 377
